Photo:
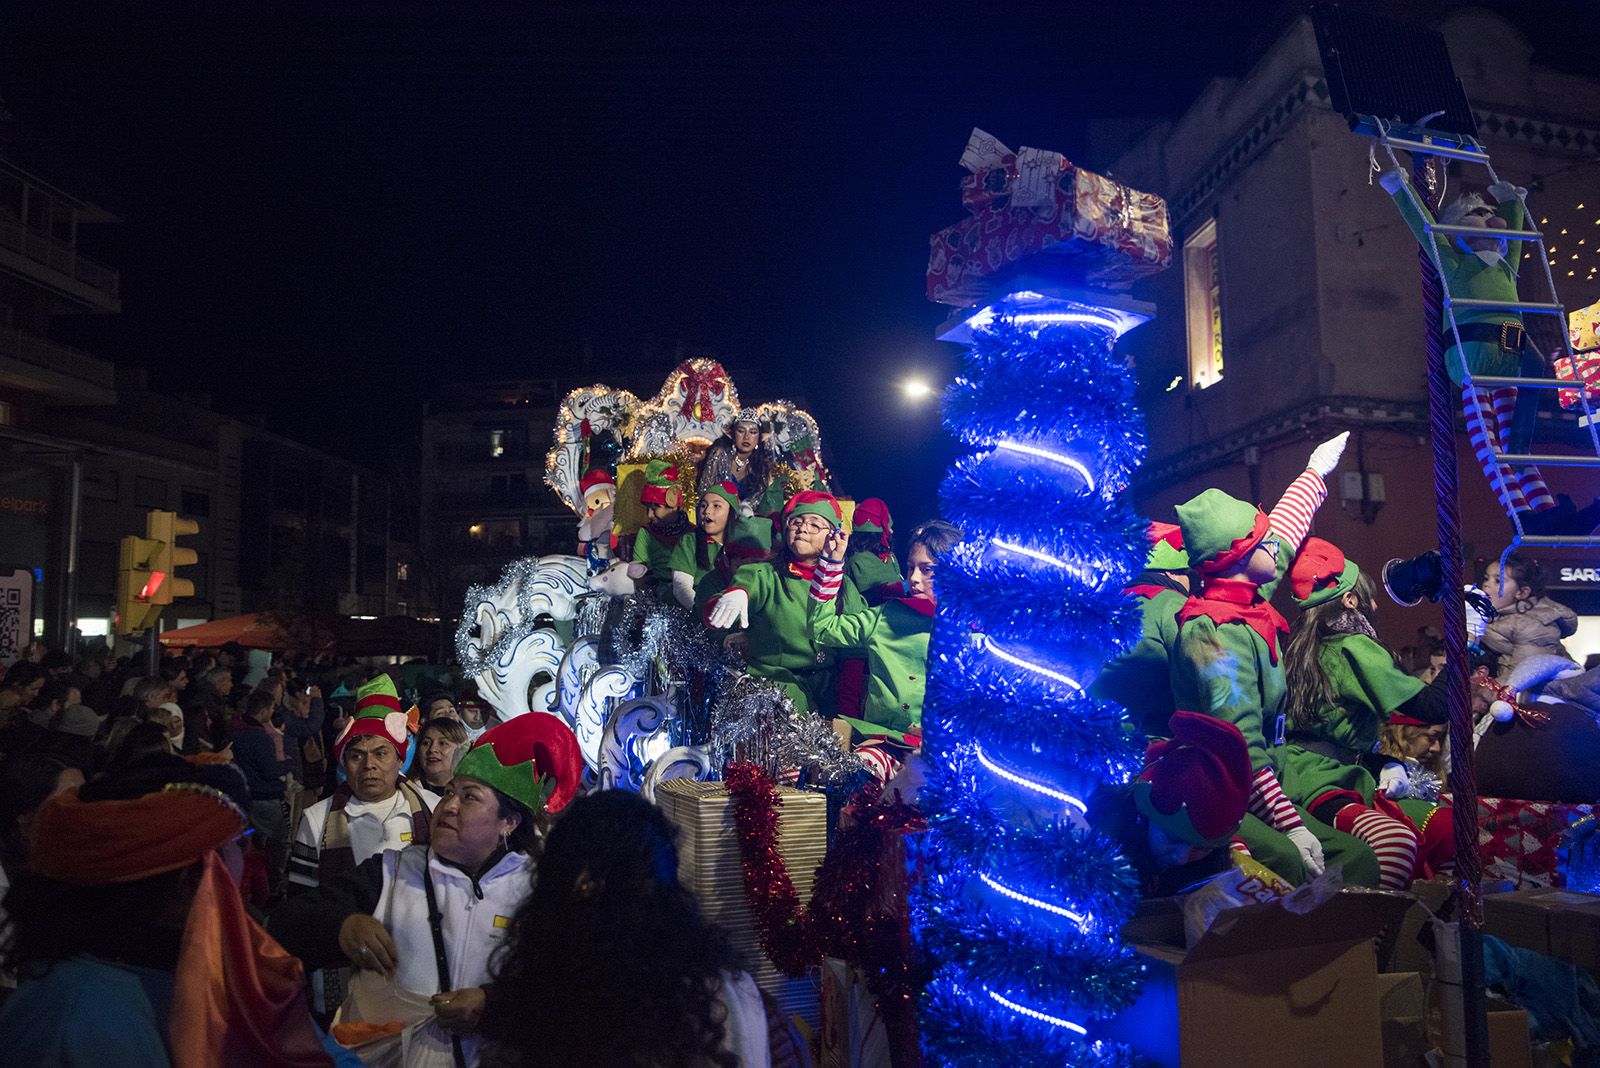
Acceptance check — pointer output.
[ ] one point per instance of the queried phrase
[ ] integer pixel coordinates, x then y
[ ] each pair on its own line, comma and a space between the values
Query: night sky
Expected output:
326, 217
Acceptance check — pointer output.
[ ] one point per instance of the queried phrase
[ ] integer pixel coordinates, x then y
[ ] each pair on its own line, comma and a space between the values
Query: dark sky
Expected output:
326, 217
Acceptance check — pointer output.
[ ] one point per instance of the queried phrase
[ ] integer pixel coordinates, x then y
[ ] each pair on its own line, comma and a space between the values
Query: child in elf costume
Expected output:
1226, 663
1138, 680
665, 524
1493, 342
1342, 687
869, 560
1177, 821
695, 556
894, 636
772, 600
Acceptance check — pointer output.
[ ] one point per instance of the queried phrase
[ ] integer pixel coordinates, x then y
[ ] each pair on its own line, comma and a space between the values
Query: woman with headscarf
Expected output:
130, 940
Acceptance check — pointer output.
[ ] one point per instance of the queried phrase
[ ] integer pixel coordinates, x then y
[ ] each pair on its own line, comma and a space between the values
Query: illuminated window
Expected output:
497, 444
1202, 298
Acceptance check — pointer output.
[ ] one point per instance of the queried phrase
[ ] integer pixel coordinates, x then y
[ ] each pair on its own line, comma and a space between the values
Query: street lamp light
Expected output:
916, 389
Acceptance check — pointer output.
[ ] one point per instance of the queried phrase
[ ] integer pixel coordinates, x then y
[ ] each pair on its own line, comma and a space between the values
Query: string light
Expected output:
1016, 895
1035, 1014
1027, 665
1053, 457
1032, 554
1026, 783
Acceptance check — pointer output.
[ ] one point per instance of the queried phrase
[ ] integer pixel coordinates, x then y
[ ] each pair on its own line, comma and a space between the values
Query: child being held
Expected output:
1527, 622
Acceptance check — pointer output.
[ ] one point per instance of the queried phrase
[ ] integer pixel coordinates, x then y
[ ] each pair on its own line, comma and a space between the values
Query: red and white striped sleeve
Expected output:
1291, 517
826, 579
1270, 805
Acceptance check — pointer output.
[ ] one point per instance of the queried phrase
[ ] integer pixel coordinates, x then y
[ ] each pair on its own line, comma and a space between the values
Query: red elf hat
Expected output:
1196, 786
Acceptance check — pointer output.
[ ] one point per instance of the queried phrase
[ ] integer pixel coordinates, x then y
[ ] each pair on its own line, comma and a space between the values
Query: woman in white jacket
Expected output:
422, 922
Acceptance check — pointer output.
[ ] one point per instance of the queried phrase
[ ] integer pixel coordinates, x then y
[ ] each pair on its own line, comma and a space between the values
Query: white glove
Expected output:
1394, 782
732, 607
1310, 850
1392, 180
1325, 457
1477, 622
1504, 191
683, 589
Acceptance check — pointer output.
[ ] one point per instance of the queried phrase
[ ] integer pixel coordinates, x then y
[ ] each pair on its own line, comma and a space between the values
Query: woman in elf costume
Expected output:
772, 599
694, 557
422, 921
665, 524
894, 636
1342, 687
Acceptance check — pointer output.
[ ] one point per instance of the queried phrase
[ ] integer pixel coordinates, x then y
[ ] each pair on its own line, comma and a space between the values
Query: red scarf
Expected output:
1146, 591
1237, 601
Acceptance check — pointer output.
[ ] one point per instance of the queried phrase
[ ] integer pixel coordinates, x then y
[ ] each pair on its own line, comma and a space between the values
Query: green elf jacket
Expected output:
656, 555
1367, 686
685, 556
780, 633
868, 571
1140, 679
1469, 275
894, 636
1228, 671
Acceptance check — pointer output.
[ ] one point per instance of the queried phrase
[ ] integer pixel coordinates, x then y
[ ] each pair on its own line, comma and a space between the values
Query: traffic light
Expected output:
138, 582
165, 528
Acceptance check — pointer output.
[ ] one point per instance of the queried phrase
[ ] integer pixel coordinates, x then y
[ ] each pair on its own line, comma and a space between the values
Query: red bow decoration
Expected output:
699, 389
1534, 718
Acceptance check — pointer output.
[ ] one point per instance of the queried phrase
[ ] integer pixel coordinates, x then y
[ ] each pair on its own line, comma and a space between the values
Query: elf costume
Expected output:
1193, 790
1139, 679
1493, 341
875, 573
655, 542
1227, 663
341, 831
1321, 765
695, 556
777, 612
894, 636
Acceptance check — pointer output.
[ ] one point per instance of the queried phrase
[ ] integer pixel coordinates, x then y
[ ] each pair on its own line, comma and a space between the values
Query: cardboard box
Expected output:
1265, 985
709, 866
1559, 923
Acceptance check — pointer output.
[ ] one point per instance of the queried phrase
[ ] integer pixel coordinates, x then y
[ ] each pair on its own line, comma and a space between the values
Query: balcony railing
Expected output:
54, 357
64, 258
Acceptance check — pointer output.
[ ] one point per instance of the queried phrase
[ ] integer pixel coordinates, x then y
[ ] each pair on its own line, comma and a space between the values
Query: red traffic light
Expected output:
152, 585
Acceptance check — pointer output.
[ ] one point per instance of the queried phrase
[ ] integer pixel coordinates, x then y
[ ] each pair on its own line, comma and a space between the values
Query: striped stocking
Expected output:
878, 761
1518, 491
1393, 842
1530, 481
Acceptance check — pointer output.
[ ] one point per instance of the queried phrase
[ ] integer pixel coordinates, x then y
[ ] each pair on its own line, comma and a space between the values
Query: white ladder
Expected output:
1470, 150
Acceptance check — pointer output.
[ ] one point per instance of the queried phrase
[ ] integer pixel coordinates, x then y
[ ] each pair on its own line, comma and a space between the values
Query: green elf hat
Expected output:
1196, 786
726, 490
1166, 548
1219, 531
814, 502
533, 759
660, 476
1321, 573
377, 712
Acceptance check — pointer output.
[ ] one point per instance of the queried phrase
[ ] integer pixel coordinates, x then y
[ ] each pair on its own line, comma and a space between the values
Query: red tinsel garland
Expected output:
849, 915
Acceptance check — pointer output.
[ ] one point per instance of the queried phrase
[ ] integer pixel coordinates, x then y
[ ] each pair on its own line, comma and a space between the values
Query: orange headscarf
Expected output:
238, 997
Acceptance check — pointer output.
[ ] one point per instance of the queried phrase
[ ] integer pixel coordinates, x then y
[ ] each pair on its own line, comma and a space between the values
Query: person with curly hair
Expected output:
609, 960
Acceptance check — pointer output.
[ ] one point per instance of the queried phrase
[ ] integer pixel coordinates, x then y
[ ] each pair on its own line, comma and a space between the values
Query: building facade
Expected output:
1293, 310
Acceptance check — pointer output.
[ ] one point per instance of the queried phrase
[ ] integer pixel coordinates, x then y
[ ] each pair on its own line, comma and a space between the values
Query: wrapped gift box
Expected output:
1575, 369
709, 866
1074, 227
1583, 328
1520, 840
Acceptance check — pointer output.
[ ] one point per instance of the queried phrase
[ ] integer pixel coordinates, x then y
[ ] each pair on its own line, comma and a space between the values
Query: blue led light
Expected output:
1035, 1014
1016, 895
1027, 783
1028, 665
1072, 463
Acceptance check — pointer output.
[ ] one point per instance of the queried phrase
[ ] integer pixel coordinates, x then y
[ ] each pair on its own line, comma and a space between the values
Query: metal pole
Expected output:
68, 632
1463, 784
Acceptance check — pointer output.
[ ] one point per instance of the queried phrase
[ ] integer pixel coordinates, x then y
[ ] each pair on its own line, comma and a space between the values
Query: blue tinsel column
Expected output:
1020, 906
